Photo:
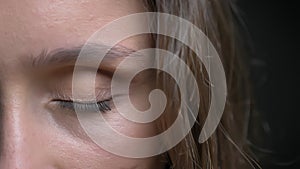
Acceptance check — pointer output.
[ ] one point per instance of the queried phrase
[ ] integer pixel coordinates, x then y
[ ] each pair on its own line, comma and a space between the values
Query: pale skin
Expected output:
35, 132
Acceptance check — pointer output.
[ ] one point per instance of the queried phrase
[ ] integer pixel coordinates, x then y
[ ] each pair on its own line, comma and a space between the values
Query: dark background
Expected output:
273, 29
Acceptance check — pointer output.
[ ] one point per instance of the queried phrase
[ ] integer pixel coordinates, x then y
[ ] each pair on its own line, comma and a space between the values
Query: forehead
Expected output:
29, 26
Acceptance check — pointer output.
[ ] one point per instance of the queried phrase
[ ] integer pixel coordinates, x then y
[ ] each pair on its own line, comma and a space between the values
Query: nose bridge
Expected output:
14, 143
17, 130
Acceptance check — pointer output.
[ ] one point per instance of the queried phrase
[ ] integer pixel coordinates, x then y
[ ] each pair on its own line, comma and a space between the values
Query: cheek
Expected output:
73, 149
80, 155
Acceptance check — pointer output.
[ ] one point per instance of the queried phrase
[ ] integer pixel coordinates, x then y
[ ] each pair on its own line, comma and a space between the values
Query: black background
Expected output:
273, 28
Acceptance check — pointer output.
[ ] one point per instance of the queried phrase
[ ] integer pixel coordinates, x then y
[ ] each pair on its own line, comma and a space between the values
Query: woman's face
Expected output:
39, 128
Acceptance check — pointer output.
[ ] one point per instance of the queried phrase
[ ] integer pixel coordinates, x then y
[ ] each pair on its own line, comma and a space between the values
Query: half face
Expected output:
39, 43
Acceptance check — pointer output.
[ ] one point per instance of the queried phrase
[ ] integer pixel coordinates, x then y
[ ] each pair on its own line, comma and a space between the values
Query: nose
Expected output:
21, 147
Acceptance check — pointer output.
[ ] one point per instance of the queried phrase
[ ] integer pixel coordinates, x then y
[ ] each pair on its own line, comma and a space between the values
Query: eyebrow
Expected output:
65, 56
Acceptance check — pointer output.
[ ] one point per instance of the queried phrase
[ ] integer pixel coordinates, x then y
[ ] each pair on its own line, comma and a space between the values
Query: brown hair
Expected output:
225, 148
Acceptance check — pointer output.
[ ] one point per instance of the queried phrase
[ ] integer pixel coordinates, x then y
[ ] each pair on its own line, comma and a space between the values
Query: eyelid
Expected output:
100, 94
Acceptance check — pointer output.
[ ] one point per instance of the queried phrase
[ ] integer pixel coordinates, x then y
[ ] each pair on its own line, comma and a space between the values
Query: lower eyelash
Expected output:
102, 106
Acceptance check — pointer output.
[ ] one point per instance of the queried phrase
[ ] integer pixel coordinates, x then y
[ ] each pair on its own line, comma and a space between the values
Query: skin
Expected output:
35, 132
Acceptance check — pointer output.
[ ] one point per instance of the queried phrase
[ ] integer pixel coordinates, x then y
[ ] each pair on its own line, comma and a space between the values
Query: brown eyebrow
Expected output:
63, 56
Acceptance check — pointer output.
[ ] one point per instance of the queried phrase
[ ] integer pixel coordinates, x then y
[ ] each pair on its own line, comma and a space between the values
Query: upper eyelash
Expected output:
66, 102
102, 106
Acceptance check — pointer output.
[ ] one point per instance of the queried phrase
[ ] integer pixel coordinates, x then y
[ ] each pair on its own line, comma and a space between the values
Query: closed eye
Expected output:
102, 106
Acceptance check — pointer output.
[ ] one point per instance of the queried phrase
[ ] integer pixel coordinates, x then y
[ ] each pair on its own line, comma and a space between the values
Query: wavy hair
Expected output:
227, 147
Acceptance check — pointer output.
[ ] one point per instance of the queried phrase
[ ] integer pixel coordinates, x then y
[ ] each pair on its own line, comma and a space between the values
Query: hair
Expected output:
226, 148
